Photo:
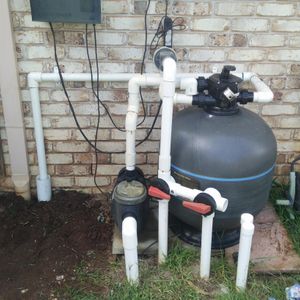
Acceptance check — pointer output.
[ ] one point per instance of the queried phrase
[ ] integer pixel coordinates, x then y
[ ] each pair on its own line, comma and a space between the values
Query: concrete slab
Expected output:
272, 251
147, 241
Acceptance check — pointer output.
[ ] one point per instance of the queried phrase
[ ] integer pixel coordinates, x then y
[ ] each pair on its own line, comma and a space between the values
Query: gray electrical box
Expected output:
66, 11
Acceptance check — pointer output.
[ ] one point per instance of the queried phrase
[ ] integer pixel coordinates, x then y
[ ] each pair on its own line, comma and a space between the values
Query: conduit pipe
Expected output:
130, 243
247, 231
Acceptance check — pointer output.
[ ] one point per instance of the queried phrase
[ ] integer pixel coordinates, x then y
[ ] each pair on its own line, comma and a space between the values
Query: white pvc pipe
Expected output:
163, 211
264, 93
247, 230
179, 190
43, 179
183, 99
246, 218
130, 243
167, 93
206, 240
132, 113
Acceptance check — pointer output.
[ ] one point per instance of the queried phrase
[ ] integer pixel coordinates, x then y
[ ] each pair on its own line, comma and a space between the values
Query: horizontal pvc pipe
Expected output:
247, 231
189, 85
130, 243
206, 240
183, 99
163, 212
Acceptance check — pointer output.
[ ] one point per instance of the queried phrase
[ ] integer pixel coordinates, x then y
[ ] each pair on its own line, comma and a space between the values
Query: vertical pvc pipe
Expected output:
43, 181
246, 218
247, 230
206, 240
167, 93
130, 242
163, 210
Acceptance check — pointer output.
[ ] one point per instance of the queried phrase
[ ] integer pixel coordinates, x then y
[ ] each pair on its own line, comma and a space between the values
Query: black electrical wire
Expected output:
98, 109
92, 81
294, 162
69, 101
161, 32
166, 8
152, 126
73, 111
143, 61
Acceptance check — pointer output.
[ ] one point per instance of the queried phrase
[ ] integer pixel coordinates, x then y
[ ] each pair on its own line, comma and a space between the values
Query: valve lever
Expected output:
201, 208
157, 193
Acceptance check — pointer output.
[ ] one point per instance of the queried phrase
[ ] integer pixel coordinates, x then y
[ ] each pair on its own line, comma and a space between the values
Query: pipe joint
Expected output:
131, 119
169, 67
135, 83
190, 86
183, 99
221, 203
167, 89
33, 79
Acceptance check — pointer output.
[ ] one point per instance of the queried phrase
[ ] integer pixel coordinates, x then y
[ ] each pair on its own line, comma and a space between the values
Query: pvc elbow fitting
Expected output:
222, 203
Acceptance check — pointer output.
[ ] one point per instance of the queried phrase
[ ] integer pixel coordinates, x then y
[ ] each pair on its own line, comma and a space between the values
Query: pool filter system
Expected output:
215, 163
216, 158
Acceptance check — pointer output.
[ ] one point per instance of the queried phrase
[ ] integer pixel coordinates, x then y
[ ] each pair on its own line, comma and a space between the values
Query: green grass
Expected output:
293, 226
179, 278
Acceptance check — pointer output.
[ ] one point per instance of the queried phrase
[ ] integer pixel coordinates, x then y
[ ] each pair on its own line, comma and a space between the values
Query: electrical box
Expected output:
66, 11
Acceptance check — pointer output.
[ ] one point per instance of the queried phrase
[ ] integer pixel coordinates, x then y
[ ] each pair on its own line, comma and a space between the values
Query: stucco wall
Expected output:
258, 36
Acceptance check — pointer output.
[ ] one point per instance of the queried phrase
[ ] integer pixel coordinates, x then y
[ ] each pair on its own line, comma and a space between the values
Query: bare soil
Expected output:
41, 244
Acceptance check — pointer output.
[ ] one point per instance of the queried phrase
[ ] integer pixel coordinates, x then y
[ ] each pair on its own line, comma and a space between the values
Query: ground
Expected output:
62, 250
42, 243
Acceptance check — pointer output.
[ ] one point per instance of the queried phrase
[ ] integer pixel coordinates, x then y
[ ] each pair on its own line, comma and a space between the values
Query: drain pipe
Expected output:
130, 243
12, 106
247, 231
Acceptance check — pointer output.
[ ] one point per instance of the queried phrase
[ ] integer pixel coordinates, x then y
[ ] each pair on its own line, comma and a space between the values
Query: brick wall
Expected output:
258, 36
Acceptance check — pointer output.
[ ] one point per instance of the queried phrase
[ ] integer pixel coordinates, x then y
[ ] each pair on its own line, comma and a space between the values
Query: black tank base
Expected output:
190, 235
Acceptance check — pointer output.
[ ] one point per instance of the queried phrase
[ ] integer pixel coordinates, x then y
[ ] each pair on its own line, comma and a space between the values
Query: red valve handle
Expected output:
157, 193
201, 208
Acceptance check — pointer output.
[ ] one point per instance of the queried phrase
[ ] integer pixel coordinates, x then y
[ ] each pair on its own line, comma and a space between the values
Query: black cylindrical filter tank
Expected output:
234, 153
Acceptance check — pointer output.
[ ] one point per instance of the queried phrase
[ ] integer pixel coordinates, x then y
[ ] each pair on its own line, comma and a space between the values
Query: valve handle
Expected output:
200, 208
157, 193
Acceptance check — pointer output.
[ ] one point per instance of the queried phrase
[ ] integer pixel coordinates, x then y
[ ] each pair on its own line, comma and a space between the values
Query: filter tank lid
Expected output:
130, 193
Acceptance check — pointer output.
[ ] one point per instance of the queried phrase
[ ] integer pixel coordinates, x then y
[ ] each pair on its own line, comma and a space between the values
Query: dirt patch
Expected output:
41, 244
